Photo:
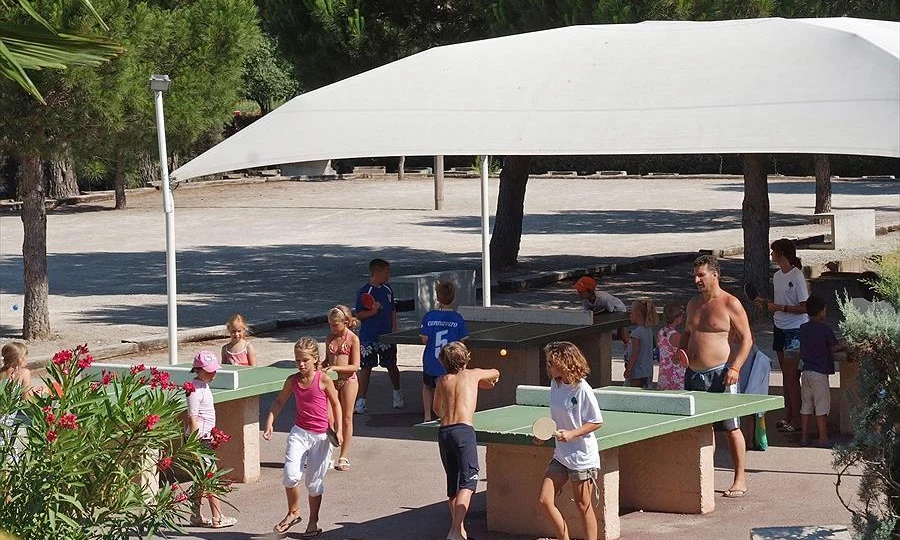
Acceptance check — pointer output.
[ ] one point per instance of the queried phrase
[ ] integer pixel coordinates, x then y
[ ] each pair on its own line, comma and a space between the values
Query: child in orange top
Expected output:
238, 351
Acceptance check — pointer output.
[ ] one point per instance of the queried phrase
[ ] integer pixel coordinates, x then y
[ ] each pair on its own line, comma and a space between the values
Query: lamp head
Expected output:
160, 83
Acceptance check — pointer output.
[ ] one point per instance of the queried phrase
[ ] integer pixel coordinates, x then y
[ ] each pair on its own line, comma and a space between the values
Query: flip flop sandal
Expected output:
734, 493
311, 534
343, 464
283, 526
223, 521
787, 428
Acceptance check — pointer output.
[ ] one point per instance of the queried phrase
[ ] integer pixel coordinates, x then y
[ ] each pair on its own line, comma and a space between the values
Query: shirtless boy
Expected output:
713, 365
455, 396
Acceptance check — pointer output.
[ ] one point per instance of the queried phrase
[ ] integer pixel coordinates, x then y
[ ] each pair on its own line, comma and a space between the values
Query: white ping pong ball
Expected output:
502, 352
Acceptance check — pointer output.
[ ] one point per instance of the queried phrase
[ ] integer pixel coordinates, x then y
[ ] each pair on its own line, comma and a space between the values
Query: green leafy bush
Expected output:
874, 341
84, 463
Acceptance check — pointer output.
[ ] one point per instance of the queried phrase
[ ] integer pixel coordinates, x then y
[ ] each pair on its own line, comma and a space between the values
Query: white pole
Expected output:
169, 207
438, 182
485, 236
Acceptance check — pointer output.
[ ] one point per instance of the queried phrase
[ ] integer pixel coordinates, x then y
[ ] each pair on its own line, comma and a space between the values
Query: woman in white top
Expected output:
789, 311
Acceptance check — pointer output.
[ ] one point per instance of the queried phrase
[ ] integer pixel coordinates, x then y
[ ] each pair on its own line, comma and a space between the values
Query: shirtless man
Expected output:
455, 398
713, 365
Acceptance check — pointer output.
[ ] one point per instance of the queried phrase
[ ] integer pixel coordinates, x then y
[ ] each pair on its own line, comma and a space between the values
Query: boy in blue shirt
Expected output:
439, 327
377, 320
817, 343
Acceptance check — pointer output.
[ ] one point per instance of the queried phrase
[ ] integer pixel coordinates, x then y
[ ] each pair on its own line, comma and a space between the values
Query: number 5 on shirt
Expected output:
440, 340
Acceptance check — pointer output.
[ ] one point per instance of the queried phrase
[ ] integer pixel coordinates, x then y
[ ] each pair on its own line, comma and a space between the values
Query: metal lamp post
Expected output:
159, 84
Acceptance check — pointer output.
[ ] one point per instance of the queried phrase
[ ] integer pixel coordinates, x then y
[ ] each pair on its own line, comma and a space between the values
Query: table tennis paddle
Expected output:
681, 358
368, 301
544, 429
750, 291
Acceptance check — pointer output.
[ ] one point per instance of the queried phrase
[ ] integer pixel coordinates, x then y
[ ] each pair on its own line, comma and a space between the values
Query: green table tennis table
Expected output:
524, 361
650, 461
237, 408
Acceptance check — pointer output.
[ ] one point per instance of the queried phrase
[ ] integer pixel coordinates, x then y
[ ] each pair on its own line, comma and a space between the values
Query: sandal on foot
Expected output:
343, 464
283, 526
787, 428
734, 493
781, 423
201, 521
223, 521
311, 534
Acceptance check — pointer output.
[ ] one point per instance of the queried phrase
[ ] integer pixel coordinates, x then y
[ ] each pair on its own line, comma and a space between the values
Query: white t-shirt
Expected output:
605, 302
790, 290
572, 406
200, 404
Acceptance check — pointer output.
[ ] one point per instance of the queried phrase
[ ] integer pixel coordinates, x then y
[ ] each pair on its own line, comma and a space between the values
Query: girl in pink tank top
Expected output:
238, 351
308, 455
312, 405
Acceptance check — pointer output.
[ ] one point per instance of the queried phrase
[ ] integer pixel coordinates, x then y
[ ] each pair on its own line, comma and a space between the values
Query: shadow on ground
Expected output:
644, 221
838, 187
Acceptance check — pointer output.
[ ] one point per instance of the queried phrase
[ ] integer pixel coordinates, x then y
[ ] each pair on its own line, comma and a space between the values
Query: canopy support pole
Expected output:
438, 182
485, 236
169, 208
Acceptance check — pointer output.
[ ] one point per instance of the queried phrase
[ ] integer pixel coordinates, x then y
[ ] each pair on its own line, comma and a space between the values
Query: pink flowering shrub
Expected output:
69, 471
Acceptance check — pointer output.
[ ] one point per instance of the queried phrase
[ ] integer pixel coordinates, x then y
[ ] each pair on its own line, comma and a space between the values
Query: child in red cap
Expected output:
600, 301
597, 301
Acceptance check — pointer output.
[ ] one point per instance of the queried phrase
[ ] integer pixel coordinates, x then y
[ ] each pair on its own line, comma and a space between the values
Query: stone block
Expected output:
421, 288
514, 477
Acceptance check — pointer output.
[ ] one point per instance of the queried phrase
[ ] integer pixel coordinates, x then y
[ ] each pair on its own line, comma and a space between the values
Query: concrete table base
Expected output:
670, 473
514, 478
632, 476
240, 419
518, 367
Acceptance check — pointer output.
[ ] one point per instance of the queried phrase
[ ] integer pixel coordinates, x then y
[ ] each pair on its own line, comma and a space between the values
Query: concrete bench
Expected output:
849, 228
656, 454
368, 171
421, 288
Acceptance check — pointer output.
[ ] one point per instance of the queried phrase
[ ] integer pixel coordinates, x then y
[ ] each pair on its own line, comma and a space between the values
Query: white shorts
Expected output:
308, 458
815, 394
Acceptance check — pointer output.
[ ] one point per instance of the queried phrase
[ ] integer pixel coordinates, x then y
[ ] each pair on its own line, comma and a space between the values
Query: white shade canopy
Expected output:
828, 86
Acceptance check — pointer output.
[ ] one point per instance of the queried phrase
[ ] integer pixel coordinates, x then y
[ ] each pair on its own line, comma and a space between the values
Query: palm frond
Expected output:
14, 72
33, 47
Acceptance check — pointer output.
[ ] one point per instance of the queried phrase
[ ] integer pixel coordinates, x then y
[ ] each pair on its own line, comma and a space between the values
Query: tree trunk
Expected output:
149, 169
823, 183
10, 174
119, 178
755, 220
36, 323
507, 233
401, 168
62, 180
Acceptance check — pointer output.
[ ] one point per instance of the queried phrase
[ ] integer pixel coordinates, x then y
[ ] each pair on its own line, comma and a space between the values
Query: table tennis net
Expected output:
619, 399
